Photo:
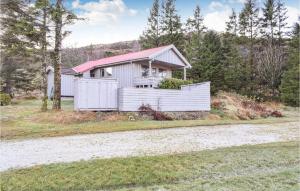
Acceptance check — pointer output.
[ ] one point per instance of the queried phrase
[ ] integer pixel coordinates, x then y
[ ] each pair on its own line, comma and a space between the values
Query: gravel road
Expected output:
25, 153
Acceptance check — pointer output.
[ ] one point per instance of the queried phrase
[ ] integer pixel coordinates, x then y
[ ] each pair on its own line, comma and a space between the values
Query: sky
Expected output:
108, 21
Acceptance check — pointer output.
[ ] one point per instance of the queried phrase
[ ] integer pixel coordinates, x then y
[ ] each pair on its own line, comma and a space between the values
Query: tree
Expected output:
57, 54
248, 28
269, 20
281, 11
236, 72
290, 81
209, 67
151, 36
232, 24
19, 38
171, 26
43, 8
270, 66
59, 12
195, 29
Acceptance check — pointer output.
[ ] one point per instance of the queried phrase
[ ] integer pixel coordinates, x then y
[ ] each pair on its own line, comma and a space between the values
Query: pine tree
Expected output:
281, 11
42, 11
171, 25
269, 20
151, 36
210, 65
193, 44
290, 82
19, 39
248, 29
232, 24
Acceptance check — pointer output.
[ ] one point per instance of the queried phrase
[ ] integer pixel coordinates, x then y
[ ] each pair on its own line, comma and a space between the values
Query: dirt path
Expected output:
25, 153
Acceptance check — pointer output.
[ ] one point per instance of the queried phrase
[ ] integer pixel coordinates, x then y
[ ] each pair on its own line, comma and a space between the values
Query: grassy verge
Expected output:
24, 120
261, 167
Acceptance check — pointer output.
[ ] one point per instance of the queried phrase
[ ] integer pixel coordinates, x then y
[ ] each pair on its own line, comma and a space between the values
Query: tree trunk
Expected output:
57, 56
44, 64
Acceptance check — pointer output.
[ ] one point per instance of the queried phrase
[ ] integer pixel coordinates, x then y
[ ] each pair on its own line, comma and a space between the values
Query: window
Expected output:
92, 73
162, 73
108, 72
154, 71
102, 73
145, 71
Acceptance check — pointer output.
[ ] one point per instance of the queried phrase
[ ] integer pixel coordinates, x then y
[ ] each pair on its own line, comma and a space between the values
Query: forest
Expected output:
256, 56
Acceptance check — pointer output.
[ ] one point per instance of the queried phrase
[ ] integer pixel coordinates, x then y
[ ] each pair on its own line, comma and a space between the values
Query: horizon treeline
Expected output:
257, 56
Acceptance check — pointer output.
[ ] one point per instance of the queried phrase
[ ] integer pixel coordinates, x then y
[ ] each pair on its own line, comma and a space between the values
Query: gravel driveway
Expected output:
25, 153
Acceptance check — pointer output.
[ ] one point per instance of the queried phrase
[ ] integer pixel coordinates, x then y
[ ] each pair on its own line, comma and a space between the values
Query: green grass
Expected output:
261, 167
25, 120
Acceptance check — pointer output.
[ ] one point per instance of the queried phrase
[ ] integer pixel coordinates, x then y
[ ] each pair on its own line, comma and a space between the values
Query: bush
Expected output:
157, 115
173, 83
5, 99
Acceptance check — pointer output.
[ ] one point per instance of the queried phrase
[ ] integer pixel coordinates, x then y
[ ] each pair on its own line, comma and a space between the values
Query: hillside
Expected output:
75, 56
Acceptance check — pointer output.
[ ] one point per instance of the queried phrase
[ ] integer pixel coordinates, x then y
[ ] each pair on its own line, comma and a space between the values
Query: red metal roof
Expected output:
144, 54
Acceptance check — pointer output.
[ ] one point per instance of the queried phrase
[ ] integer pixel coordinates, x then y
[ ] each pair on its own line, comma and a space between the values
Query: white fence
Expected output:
67, 85
95, 94
194, 97
103, 94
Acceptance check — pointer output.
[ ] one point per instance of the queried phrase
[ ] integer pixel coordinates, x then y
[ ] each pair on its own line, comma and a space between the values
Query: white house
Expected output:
141, 69
127, 81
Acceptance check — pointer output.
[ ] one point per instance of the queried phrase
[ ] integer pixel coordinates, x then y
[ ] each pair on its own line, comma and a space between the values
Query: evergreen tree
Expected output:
210, 65
269, 20
42, 12
151, 36
232, 24
248, 29
290, 82
171, 25
236, 72
19, 39
193, 44
281, 11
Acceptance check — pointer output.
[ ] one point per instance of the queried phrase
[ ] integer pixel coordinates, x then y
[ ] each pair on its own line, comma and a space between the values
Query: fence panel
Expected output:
194, 97
95, 94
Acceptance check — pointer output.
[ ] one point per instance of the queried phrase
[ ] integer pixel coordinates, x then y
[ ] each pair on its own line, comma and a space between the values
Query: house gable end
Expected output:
171, 55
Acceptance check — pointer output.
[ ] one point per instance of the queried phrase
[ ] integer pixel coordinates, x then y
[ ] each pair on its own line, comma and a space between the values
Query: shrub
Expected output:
173, 83
157, 115
5, 99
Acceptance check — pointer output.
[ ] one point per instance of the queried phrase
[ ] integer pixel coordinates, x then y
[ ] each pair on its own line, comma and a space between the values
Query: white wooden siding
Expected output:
170, 57
124, 74
95, 94
196, 98
50, 83
67, 84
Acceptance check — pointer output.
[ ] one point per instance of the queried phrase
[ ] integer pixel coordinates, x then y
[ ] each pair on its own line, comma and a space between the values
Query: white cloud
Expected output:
237, 1
215, 5
106, 21
216, 19
102, 11
293, 14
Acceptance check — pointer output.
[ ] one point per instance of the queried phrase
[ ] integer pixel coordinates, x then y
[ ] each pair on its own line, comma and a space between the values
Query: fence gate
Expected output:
95, 94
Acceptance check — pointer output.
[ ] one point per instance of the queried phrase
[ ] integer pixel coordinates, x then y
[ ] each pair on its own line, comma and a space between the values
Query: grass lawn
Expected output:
24, 120
271, 167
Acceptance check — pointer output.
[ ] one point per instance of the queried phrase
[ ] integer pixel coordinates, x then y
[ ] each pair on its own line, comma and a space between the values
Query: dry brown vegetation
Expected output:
235, 106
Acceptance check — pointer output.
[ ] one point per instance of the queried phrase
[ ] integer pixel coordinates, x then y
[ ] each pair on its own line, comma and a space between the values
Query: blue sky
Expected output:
108, 21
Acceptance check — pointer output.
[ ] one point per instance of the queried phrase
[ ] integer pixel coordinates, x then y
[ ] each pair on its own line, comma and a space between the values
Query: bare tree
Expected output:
270, 65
